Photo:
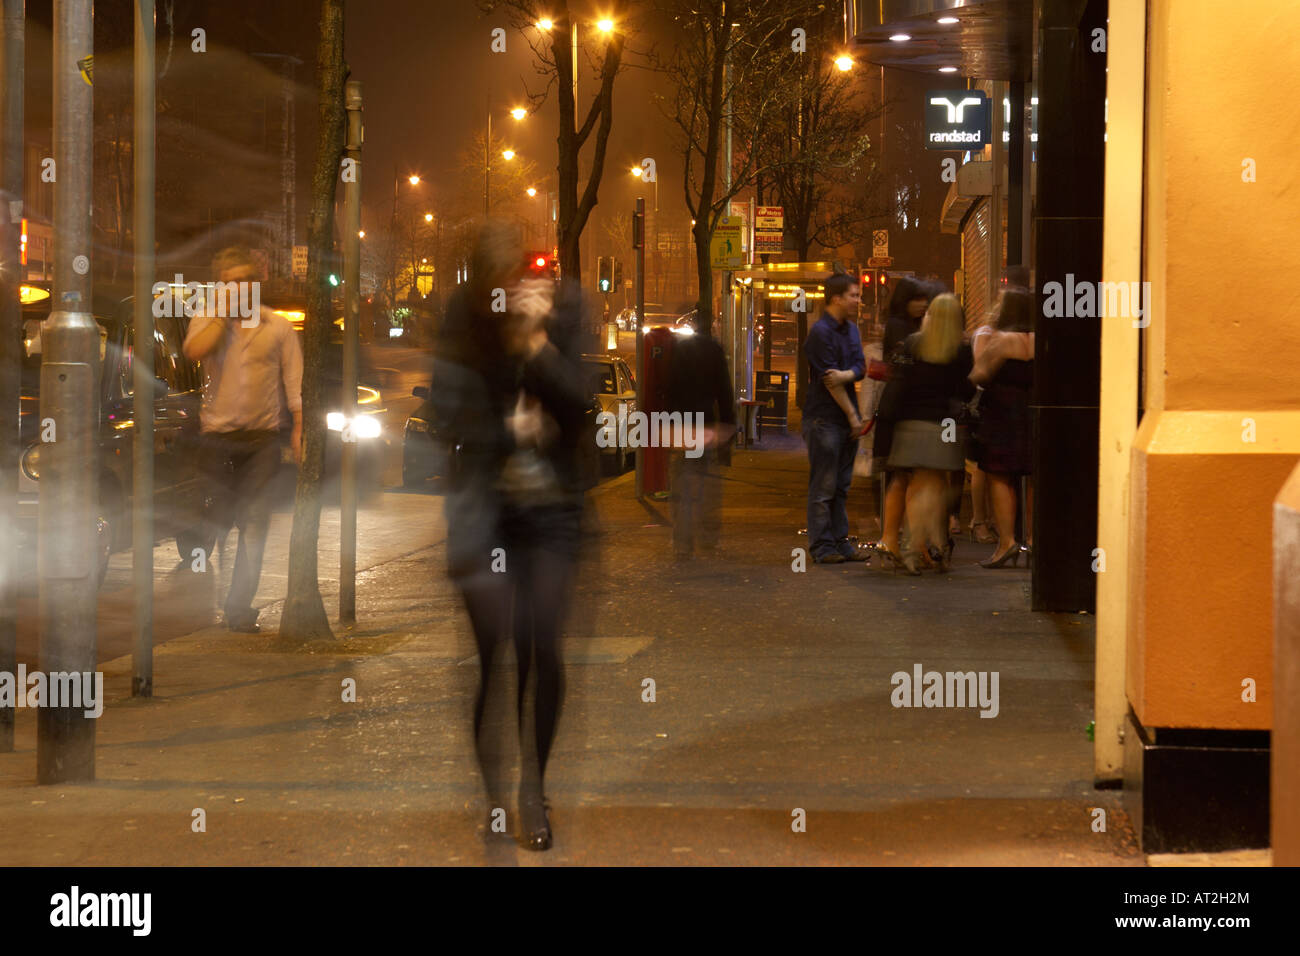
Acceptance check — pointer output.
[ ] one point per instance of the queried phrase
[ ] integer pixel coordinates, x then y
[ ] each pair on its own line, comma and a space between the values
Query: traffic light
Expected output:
868, 279
604, 276
618, 273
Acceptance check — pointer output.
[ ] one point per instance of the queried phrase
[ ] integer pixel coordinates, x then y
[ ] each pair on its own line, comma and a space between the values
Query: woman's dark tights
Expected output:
526, 602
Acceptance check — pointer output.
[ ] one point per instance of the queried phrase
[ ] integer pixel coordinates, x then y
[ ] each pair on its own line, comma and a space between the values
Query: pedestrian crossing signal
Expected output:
604, 273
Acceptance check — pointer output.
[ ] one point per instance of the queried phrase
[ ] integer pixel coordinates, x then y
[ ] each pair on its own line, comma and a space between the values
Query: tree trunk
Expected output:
304, 611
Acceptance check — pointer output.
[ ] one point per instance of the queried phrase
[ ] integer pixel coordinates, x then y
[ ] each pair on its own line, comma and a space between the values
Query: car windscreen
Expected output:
600, 378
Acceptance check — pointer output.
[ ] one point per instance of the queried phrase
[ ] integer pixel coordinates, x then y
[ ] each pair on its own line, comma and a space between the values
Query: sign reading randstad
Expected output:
957, 119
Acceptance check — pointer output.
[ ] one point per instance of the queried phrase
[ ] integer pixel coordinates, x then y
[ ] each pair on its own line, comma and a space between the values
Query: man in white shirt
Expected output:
252, 394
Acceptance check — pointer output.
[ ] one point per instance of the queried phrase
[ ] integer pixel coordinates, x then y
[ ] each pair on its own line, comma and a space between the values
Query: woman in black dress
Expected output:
1006, 370
509, 406
925, 442
906, 307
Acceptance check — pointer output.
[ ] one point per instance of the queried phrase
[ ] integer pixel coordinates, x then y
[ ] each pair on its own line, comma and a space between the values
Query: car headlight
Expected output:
363, 426
32, 462
366, 426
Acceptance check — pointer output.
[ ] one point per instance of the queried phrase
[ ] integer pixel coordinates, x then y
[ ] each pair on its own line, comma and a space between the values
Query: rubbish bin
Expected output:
772, 391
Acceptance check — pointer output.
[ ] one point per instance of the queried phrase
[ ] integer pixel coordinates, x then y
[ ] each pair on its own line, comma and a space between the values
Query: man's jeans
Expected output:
830, 463
237, 468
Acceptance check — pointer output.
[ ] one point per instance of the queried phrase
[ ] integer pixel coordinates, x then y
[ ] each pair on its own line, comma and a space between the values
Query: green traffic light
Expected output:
334, 280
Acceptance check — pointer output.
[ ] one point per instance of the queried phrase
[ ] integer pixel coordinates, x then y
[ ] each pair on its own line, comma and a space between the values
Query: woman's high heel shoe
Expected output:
897, 562
1012, 554
534, 822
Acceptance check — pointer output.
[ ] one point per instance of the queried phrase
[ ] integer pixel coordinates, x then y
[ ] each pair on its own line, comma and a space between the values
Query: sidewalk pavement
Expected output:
772, 696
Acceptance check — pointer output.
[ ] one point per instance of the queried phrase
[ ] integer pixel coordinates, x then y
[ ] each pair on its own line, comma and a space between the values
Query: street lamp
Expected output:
845, 63
531, 192
519, 113
428, 217
605, 25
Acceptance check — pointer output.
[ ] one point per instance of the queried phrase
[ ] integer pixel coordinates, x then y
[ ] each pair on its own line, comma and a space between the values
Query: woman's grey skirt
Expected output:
919, 444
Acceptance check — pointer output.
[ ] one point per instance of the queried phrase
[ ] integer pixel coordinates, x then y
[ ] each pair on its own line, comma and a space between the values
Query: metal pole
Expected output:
351, 351
65, 738
638, 245
11, 278
142, 362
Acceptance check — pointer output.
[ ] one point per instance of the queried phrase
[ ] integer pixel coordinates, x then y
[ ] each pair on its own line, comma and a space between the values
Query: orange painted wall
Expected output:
1223, 346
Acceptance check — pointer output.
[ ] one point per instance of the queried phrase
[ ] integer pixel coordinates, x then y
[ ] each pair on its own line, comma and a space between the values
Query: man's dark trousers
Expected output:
830, 463
237, 469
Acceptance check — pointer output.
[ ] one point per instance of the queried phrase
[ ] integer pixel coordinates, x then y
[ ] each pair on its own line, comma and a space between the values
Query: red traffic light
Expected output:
540, 262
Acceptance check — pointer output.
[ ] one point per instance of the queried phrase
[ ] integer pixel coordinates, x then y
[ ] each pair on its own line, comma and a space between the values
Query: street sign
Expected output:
769, 229
880, 262
725, 251
879, 243
300, 262
957, 119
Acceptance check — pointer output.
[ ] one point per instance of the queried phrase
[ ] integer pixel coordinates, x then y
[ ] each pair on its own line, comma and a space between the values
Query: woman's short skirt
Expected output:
918, 444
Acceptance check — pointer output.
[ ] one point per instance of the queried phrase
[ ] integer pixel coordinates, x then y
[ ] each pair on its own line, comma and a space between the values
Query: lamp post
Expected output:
517, 114
414, 180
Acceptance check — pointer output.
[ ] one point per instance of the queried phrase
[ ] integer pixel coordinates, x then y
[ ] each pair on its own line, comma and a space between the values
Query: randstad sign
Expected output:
957, 119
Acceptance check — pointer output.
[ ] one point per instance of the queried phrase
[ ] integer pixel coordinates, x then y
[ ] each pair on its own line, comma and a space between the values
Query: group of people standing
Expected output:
949, 403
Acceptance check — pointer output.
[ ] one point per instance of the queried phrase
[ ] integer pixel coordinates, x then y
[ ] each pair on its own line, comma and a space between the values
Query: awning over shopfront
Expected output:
991, 40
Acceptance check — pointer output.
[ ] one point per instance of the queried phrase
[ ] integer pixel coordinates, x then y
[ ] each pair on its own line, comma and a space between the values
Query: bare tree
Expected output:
304, 611
823, 170
553, 53
721, 67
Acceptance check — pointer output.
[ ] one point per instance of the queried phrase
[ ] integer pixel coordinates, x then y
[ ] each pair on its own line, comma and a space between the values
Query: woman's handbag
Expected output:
878, 370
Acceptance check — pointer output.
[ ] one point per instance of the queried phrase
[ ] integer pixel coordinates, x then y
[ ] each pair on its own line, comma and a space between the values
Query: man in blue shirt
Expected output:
831, 425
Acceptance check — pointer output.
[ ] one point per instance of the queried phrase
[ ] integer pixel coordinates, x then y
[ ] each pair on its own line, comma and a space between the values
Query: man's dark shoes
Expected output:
831, 557
859, 554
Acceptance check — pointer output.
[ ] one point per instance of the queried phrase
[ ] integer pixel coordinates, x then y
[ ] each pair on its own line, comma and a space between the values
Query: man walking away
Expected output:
831, 424
253, 392
700, 383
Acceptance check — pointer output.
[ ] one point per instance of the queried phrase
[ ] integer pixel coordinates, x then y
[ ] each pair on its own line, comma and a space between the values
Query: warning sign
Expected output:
725, 252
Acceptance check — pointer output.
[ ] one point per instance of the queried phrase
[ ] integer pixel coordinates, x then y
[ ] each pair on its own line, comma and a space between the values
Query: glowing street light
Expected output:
428, 217
844, 63
531, 192
605, 25
519, 112
507, 154
361, 234
636, 170
413, 180
544, 24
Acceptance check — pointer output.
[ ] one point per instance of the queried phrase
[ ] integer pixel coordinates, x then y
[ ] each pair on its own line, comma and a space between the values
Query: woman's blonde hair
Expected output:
941, 330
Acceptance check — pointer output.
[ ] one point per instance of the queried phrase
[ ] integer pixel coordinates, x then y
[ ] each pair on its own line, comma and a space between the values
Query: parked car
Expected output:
613, 386
177, 397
